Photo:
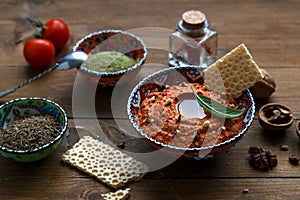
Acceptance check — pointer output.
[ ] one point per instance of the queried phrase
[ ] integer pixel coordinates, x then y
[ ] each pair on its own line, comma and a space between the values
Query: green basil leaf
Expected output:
216, 108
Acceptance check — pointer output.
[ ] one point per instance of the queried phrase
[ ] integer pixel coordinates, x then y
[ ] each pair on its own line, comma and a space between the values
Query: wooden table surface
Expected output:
270, 29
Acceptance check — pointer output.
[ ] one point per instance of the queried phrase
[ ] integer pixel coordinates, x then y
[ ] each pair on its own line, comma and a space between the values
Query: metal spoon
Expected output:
71, 60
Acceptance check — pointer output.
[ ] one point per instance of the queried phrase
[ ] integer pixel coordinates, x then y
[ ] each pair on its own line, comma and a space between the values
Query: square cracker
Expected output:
102, 161
233, 73
121, 194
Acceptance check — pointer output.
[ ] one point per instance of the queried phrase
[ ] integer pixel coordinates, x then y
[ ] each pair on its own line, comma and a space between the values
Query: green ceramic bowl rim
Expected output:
64, 129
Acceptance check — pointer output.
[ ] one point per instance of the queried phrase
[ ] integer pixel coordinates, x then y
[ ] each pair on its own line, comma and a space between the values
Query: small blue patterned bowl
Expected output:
108, 40
174, 76
25, 107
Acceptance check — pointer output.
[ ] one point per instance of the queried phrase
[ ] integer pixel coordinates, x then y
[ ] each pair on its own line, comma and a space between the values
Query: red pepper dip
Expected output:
174, 117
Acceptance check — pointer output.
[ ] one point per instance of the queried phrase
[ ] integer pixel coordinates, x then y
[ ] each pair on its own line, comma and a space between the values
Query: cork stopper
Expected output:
193, 19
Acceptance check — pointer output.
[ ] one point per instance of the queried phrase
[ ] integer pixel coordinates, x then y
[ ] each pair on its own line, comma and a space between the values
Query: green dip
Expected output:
108, 61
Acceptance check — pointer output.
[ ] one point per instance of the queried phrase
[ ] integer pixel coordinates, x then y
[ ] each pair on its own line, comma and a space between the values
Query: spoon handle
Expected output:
50, 69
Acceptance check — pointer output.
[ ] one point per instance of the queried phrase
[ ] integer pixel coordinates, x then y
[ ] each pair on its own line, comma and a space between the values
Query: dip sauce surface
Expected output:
162, 118
190, 108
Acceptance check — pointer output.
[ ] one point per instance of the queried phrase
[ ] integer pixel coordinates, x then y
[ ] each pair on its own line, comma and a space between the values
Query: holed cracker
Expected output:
102, 161
121, 194
233, 73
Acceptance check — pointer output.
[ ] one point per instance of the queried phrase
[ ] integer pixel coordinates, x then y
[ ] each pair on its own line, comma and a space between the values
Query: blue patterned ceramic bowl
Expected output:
175, 76
25, 107
116, 40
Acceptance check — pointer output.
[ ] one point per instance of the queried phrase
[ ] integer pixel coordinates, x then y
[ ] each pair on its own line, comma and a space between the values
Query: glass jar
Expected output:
193, 42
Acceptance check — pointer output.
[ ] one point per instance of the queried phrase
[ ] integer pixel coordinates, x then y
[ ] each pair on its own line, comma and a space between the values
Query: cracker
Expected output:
121, 194
233, 73
102, 161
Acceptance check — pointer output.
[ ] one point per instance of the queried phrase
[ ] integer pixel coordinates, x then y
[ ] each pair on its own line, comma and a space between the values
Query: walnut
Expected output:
275, 117
262, 159
265, 87
294, 159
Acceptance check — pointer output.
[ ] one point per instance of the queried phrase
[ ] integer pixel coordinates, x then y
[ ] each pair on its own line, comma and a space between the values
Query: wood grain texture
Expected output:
269, 28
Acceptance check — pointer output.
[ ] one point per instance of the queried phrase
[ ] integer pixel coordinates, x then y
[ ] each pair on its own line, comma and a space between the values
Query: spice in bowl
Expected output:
125, 43
30, 132
108, 61
31, 128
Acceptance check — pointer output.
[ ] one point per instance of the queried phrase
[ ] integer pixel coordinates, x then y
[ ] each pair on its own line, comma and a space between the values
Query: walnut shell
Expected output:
265, 87
275, 117
298, 128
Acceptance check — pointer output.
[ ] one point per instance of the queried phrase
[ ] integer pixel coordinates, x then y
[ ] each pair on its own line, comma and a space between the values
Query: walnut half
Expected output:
275, 117
265, 87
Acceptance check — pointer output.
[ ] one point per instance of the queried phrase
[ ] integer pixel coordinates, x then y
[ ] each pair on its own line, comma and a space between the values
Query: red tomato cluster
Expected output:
40, 52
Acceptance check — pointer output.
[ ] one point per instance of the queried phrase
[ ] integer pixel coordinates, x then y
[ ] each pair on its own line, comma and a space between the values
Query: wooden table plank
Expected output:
153, 188
187, 189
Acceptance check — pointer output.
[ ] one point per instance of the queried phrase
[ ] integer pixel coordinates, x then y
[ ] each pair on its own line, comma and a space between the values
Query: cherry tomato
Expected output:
39, 53
57, 32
